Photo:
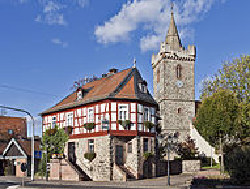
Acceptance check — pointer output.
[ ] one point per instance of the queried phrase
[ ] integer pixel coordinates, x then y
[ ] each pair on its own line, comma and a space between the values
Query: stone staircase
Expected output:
129, 174
203, 145
83, 176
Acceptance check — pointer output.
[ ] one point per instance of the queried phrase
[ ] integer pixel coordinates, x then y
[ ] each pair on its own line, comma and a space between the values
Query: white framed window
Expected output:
105, 124
53, 124
70, 118
123, 112
91, 145
79, 95
91, 115
146, 114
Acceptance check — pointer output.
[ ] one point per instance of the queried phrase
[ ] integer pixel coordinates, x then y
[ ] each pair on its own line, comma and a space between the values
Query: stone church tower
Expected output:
174, 89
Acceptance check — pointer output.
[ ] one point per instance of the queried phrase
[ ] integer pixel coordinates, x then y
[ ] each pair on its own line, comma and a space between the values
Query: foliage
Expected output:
90, 156
187, 149
124, 123
147, 155
218, 114
237, 158
206, 162
55, 139
89, 126
234, 76
148, 124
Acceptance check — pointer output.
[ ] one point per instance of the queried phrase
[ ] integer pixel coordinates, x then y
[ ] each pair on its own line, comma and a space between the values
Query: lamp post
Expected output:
170, 139
32, 137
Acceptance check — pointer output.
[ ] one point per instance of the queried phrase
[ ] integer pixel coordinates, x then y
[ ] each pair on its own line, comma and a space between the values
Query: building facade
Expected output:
173, 80
15, 147
107, 103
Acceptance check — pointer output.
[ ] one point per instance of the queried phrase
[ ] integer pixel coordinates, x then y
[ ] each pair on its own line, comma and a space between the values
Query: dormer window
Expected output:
143, 87
79, 95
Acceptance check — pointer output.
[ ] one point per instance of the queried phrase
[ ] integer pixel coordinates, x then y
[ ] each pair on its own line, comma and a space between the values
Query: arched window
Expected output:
179, 110
178, 71
158, 76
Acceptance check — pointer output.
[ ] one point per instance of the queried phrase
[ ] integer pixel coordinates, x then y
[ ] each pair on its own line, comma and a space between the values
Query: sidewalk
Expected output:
177, 181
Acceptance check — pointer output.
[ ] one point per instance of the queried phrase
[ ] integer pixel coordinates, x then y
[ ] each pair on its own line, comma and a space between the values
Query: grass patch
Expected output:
217, 166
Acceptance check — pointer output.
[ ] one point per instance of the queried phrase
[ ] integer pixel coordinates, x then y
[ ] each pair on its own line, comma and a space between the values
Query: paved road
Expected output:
5, 185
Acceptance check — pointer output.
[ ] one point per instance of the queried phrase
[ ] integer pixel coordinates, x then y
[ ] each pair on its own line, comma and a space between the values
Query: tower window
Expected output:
179, 110
158, 76
178, 71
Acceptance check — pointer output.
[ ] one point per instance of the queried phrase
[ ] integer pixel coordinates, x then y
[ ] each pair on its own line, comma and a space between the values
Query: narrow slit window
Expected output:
178, 71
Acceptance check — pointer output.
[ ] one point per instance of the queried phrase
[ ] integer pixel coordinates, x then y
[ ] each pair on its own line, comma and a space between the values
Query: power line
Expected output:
27, 90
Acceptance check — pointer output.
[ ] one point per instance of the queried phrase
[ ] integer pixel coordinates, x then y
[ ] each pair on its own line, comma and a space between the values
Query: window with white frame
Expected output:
123, 112
91, 145
146, 114
53, 122
91, 115
105, 124
79, 95
70, 118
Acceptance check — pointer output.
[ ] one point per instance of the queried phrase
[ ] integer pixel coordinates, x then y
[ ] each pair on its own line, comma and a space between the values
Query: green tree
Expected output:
55, 140
234, 76
218, 115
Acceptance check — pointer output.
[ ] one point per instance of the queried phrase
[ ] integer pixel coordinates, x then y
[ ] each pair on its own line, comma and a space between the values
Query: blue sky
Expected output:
46, 45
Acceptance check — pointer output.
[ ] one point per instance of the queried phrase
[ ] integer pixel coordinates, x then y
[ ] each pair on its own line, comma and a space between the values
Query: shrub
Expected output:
126, 123
237, 160
89, 126
90, 156
147, 155
149, 125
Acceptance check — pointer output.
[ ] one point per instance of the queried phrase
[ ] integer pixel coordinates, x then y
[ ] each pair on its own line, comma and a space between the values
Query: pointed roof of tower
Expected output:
172, 31
172, 27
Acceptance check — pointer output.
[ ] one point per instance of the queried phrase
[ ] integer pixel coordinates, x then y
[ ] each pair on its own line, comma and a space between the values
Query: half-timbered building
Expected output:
113, 121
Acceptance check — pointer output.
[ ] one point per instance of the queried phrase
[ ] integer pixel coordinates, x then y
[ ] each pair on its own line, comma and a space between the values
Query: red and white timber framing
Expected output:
105, 110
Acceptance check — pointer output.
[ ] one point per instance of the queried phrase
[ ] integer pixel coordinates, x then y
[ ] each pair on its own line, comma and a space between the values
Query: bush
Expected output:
149, 125
89, 126
147, 155
126, 123
90, 156
237, 162
206, 162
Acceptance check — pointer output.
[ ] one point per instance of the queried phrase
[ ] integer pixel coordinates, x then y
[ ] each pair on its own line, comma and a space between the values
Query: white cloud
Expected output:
58, 41
152, 16
52, 13
82, 3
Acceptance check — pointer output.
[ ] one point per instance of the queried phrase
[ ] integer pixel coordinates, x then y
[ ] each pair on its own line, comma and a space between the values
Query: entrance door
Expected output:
72, 152
119, 155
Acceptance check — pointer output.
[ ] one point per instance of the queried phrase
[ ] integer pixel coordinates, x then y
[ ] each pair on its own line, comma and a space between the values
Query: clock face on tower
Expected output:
179, 83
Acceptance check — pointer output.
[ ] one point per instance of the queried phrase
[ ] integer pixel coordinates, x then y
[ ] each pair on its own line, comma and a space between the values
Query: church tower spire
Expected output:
174, 86
172, 37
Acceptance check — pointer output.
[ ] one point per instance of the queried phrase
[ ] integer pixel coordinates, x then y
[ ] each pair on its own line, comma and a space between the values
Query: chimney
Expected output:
113, 71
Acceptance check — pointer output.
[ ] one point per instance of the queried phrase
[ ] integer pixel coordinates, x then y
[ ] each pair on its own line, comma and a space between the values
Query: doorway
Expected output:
119, 155
72, 152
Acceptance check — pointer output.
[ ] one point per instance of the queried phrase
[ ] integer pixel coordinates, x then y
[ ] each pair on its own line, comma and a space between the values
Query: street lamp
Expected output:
32, 137
170, 139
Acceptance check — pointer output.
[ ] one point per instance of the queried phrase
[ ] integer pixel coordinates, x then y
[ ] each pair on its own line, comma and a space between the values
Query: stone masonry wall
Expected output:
191, 166
99, 169
134, 157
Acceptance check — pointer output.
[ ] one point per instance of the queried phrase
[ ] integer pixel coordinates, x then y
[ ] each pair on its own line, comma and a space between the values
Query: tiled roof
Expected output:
121, 85
26, 146
3, 145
